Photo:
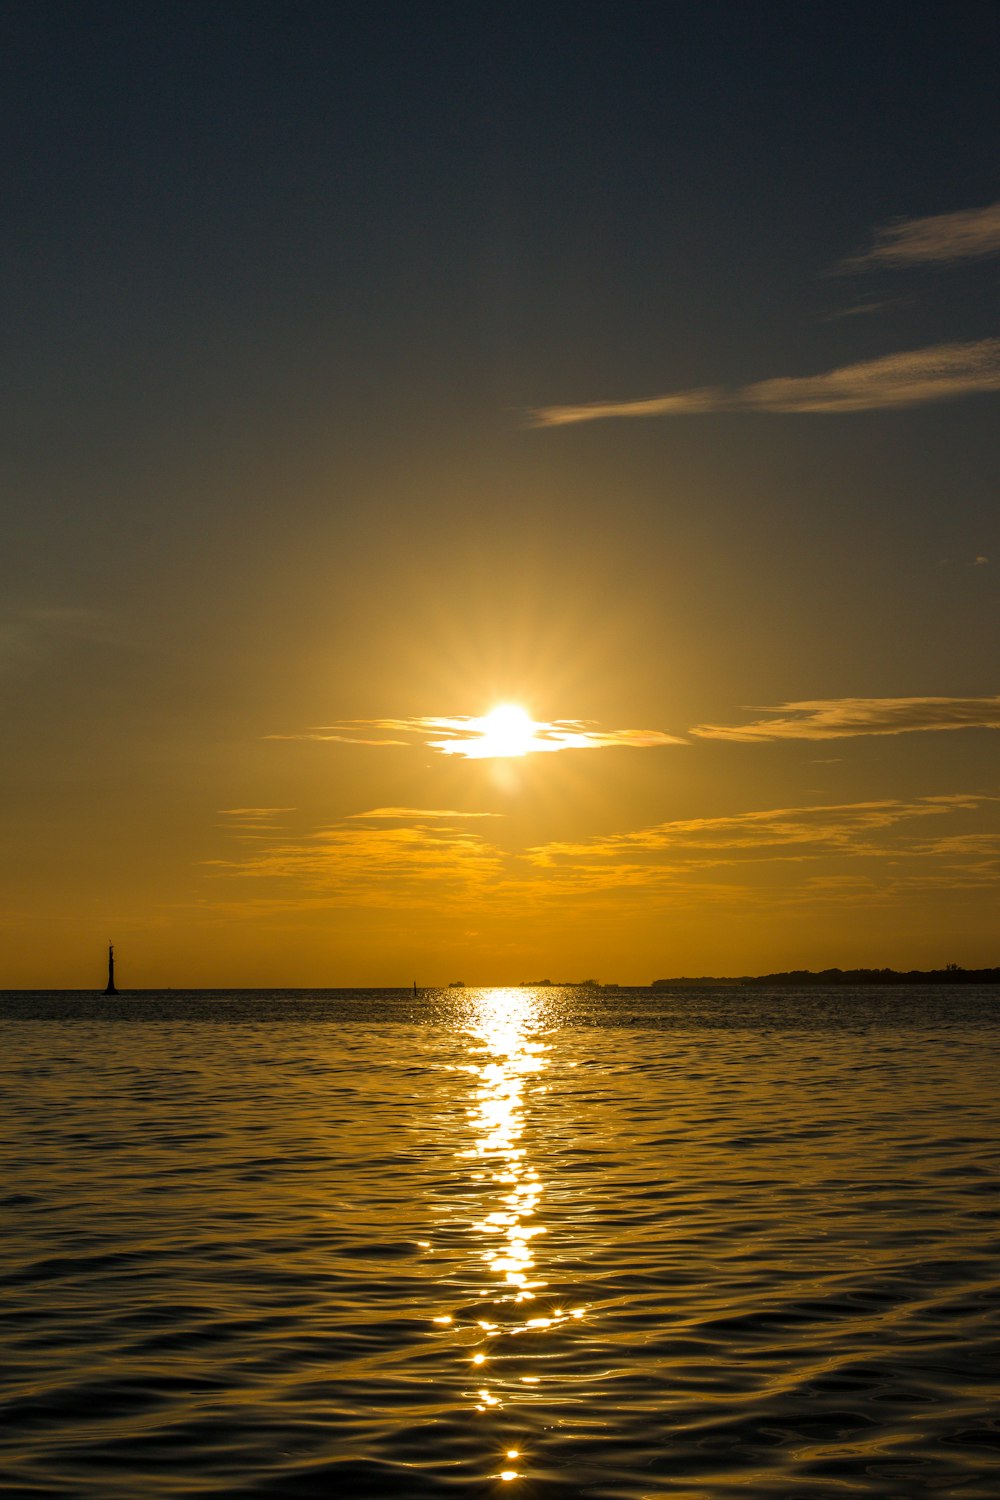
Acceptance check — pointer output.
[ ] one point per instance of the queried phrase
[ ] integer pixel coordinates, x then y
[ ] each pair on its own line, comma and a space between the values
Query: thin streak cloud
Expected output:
841, 718
914, 377
261, 813
415, 815
724, 861
842, 826
258, 821
937, 239
387, 866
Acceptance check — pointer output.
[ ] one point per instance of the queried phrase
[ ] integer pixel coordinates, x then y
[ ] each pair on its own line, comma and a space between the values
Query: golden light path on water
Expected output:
508, 1060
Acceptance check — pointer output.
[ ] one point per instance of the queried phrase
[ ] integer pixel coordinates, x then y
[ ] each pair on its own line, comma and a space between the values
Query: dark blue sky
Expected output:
510, 202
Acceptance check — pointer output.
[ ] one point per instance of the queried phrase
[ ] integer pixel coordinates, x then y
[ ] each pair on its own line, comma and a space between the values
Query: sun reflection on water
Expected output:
504, 1034
503, 1038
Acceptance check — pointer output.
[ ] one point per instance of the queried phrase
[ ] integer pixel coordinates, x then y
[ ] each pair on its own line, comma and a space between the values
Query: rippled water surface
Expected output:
536, 1242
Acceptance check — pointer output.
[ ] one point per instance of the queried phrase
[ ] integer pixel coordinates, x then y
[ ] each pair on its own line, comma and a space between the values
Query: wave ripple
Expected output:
536, 1241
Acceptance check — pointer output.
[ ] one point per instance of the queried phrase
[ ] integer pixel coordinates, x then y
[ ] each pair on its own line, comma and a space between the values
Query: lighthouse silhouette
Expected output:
110, 988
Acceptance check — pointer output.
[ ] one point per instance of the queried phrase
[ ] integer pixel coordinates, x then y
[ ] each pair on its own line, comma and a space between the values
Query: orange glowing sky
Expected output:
488, 513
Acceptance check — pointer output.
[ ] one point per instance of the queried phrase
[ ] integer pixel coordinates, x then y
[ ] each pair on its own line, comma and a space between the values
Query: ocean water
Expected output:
521, 1242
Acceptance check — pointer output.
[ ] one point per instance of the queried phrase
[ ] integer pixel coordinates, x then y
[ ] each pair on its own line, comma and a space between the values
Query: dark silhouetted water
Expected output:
529, 1242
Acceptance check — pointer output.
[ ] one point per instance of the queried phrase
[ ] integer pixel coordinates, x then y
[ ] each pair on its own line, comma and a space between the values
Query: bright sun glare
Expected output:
507, 729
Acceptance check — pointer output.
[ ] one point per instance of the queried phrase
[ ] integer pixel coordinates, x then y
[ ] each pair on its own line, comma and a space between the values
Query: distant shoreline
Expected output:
951, 974
802, 978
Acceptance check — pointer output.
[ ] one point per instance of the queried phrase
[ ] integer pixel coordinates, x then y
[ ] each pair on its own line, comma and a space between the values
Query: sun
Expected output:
507, 729
507, 732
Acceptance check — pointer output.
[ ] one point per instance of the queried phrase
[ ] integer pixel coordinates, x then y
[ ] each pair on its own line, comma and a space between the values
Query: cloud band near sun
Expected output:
505, 732
912, 378
841, 718
821, 855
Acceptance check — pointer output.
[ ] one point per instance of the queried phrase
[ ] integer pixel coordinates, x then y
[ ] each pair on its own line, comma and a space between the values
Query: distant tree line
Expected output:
950, 974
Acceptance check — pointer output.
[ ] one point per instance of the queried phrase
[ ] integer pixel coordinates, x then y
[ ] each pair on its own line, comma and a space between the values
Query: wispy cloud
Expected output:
350, 732
840, 718
864, 306
475, 738
840, 826
785, 857
259, 821
788, 856
937, 373
416, 815
676, 404
412, 866
265, 814
938, 239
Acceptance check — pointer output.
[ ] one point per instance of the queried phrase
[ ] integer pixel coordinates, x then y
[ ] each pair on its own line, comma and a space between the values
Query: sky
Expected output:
370, 368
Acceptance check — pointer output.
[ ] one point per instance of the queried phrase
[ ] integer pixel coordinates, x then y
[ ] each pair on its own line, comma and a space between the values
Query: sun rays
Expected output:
505, 732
